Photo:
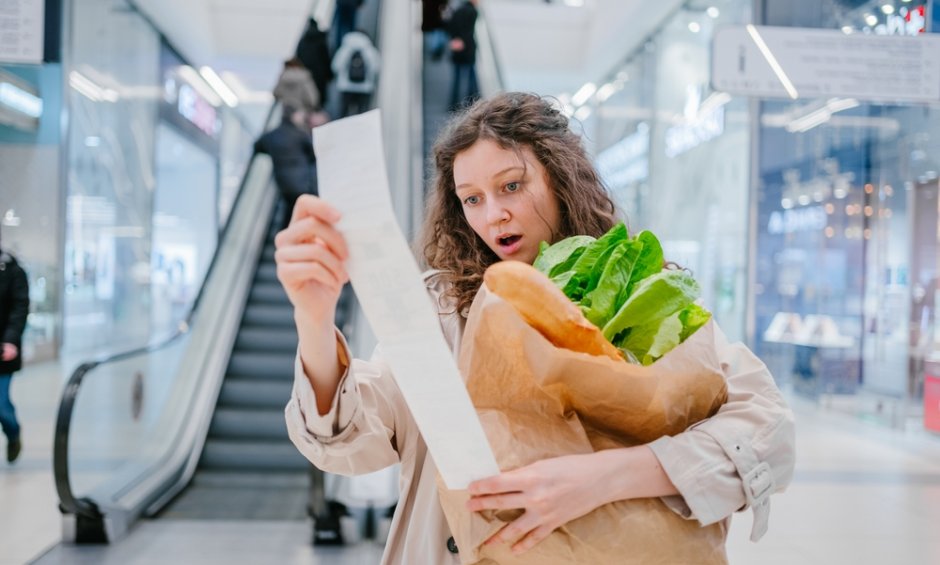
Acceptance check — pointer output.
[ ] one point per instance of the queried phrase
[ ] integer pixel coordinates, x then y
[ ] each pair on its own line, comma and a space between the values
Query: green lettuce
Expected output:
619, 283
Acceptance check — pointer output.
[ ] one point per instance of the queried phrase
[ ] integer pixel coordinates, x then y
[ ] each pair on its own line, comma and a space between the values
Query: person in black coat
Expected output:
14, 307
463, 49
432, 25
290, 146
313, 50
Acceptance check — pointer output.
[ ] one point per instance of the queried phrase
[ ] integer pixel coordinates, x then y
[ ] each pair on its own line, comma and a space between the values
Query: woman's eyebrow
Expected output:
499, 174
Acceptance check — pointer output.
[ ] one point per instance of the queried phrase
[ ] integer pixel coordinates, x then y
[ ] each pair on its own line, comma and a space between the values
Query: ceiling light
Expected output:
712, 12
887, 8
584, 93
871, 20
90, 89
582, 113
847, 29
606, 91
219, 86
772, 61
695, 27
20, 100
195, 80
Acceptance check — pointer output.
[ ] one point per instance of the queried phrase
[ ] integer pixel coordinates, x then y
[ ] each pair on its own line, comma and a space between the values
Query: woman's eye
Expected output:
513, 186
471, 200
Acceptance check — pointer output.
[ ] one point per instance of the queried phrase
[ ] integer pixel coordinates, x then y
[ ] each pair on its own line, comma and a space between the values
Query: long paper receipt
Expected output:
388, 284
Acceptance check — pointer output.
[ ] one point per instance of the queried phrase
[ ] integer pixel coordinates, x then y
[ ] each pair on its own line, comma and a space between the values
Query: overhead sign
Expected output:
21, 31
789, 62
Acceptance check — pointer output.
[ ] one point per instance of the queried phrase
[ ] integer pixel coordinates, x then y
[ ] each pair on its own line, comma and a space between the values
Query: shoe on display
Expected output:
13, 450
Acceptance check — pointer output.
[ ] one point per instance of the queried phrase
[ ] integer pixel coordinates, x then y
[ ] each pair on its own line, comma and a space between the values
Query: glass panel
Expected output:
183, 240
114, 95
674, 154
126, 415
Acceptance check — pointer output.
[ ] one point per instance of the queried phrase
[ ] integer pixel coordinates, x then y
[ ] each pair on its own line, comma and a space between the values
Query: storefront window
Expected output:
675, 154
847, 244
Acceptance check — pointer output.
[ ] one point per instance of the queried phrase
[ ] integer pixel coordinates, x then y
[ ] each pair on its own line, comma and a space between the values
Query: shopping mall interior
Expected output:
786, 153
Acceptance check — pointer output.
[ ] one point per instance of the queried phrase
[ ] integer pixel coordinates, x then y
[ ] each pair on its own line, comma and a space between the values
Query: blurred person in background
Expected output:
356, 66
344, 19
290, 146
463, 49
432, 25
313, 50
295, 87
14, 308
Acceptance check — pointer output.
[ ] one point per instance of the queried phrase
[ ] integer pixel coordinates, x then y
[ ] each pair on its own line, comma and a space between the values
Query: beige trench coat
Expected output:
730, 462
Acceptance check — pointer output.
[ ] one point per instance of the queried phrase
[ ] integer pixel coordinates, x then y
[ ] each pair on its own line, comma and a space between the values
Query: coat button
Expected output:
452, 545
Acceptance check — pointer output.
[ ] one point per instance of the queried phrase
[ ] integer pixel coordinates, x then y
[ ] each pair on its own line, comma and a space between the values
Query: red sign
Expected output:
932, 397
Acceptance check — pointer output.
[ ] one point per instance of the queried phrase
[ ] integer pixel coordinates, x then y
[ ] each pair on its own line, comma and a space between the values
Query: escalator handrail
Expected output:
68, 503
490, 45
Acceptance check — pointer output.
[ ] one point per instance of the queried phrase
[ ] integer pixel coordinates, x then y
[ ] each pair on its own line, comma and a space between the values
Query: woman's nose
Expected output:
496, 213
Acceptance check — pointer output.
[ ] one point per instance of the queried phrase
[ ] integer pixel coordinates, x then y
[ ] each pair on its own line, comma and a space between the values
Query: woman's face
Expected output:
506, 199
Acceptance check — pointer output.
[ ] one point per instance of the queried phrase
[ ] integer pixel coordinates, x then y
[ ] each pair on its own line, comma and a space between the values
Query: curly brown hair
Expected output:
513, 120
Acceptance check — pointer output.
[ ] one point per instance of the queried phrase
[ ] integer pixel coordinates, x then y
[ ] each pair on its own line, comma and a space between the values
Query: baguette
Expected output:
546, 308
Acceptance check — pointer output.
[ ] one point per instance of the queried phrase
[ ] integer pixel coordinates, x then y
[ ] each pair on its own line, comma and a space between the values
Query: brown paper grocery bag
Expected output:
537, 401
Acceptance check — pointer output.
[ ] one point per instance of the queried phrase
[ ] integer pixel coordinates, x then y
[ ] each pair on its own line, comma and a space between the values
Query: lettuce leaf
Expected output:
589, 266
559, 258
611, 290
653, 299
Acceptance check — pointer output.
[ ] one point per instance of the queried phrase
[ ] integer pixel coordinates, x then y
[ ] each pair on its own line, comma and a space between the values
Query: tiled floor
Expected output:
863, 495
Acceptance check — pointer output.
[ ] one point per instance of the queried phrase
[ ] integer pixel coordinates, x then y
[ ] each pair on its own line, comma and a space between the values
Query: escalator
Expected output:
249, 469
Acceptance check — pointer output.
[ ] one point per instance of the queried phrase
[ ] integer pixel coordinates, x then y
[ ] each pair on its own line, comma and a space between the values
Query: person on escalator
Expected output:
14, 308
463, 54
313, 50
296, 88
290, 146
356, 66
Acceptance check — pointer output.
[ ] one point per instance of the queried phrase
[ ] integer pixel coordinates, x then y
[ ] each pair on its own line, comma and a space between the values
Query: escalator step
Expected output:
246, 424
268, 293
267, 339
267, 253
255, 393
269, 315
271, 366
252, 456
267, 272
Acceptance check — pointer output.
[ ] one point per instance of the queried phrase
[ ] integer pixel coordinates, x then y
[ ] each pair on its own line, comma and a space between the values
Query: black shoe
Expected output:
13, 450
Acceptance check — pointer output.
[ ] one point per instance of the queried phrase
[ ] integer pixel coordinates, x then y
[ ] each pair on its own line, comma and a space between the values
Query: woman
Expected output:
509, 173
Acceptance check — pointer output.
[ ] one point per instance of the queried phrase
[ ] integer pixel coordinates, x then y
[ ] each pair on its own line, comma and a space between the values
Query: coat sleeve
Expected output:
19, 308
358, 434
740, 456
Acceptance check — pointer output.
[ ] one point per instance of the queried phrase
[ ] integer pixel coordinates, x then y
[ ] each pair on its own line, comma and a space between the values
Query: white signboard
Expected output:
814, 63
21, 31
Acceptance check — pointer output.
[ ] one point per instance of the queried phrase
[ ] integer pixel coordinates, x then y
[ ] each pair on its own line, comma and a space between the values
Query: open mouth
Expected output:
509, 240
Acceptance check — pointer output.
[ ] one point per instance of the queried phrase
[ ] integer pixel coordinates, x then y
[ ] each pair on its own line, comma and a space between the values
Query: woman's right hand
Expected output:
310, 255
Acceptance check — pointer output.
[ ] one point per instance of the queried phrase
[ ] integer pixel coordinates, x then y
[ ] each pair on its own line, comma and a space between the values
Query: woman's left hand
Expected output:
552, 492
